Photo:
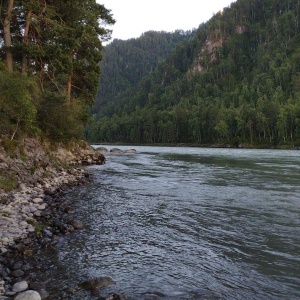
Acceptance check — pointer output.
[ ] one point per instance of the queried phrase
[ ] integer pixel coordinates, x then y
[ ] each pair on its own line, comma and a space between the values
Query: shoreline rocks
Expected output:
19, 209
33, 220
119, 151
34, 214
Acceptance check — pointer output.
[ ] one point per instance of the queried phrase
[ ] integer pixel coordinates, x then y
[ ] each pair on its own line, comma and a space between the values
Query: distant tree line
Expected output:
49, 65
235, 81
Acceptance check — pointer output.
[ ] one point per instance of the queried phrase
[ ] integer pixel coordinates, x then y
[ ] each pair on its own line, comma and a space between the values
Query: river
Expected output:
188, 223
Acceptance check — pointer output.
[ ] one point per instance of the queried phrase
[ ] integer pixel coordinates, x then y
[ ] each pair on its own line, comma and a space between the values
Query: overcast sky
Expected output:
133, 17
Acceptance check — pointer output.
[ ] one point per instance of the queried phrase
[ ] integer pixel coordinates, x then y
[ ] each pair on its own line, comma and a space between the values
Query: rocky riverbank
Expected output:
33, 212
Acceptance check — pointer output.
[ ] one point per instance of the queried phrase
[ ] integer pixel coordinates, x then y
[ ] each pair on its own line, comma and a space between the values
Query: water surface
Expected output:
189, 223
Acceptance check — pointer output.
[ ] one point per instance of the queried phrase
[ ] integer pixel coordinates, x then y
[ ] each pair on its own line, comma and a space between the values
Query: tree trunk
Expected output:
69, 88
7, 36
69, 80
25, 42
15, 131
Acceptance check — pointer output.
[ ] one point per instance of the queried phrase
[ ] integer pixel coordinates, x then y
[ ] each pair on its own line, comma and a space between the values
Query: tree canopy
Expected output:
50, 50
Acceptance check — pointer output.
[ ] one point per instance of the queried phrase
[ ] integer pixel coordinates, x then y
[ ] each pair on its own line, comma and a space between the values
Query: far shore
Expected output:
197, 145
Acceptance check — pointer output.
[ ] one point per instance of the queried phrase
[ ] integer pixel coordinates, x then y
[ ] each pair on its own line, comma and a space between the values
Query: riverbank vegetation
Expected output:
49, 65
236, 80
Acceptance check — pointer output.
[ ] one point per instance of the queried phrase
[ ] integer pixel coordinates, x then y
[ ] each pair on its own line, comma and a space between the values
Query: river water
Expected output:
188, 223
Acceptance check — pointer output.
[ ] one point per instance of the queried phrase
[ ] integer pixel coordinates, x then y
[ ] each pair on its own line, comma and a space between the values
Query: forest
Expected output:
234, 81
49, 66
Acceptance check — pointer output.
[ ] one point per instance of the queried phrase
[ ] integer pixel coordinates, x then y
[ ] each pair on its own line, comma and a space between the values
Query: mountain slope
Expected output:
237, 81
125, 63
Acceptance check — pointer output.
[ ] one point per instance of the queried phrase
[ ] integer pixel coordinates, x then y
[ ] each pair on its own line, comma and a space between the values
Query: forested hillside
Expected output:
126, 63
49, 65
236, 81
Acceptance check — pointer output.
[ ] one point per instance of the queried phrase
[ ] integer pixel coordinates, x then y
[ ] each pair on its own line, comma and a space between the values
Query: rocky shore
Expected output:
34, 212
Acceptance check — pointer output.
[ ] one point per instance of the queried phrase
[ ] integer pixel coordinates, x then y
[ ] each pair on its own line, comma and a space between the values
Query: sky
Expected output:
134, 17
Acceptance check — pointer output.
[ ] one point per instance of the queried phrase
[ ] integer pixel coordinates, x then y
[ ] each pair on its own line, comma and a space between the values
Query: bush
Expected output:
7, 183
17, 111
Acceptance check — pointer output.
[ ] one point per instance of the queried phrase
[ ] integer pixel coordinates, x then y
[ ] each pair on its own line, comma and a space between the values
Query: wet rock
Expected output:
77, 224
130, 151
96, 292
116, 151
43, 293
70, 210
37, 286
99, 282
100, 160
102, 149
29, 295
114, 296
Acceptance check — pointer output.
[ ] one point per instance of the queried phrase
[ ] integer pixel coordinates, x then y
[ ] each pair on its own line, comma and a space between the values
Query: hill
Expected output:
235, 81
126, 63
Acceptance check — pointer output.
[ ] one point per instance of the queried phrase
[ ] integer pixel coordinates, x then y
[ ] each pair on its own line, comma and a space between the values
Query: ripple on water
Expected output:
190, 224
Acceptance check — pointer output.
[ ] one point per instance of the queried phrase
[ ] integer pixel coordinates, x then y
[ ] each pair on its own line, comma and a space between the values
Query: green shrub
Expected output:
9, 146
7, 183
17, 110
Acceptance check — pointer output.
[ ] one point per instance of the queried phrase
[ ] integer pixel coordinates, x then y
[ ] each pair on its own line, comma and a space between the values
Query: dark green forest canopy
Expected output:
127, 63
49, 65
234, 81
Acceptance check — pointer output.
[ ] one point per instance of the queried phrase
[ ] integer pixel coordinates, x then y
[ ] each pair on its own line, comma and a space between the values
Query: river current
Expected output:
186, 223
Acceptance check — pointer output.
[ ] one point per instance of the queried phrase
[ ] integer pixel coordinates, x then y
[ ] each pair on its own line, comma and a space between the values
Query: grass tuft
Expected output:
7, 183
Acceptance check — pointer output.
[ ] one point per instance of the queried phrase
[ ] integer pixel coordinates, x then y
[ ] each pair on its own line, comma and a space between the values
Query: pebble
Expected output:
17, 265
30, 228
29, 295
37, 200
17, 273
20, 286
42, 206
2, 290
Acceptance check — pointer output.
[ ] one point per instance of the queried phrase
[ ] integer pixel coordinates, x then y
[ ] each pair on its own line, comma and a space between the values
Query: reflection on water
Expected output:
187, 223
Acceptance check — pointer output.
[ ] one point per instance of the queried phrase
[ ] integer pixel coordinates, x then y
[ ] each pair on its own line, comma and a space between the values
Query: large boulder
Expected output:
119, 151
102, 150
116, 151
130, 151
